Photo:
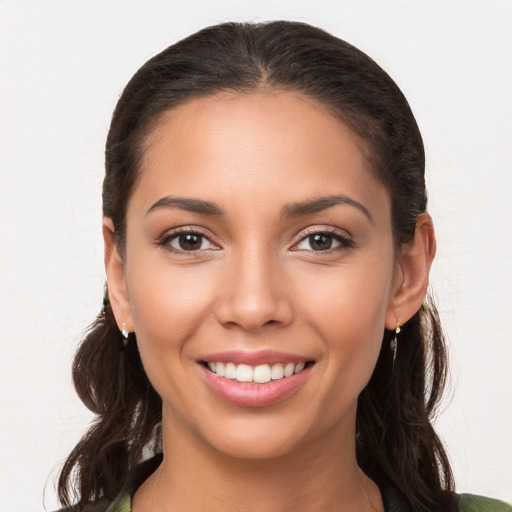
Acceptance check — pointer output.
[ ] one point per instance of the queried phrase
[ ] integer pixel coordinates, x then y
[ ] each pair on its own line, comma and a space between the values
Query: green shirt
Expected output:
472, 503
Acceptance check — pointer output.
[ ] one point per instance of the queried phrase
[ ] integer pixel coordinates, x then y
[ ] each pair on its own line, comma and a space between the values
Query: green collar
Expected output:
123, 503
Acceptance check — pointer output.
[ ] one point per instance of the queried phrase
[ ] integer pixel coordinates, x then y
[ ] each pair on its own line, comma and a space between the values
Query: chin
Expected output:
271, 434
258, 447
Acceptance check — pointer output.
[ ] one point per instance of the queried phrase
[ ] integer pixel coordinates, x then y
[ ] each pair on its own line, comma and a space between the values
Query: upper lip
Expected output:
254, 358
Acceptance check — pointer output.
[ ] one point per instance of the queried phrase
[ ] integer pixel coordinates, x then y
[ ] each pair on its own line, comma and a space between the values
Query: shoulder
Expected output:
473, 503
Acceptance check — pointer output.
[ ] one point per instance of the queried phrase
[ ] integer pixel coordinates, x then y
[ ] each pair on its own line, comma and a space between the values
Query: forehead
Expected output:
232, 145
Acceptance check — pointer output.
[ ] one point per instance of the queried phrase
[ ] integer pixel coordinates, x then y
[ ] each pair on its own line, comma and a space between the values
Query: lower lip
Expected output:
247, 394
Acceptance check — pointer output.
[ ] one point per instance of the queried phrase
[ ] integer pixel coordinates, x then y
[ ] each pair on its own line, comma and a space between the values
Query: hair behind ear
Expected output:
395, 412
111, 382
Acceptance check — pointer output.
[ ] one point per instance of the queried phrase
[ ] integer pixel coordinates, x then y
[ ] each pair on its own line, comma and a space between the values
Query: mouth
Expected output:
259, 374
255, 379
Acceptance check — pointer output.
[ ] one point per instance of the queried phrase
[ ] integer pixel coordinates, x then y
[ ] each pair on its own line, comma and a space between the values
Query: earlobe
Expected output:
413, 273
116, 279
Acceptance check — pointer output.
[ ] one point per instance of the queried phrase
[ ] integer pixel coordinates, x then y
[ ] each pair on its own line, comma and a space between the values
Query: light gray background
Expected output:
63, 65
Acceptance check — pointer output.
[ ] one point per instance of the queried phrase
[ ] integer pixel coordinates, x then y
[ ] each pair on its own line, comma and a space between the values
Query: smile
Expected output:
259, 374
256, 379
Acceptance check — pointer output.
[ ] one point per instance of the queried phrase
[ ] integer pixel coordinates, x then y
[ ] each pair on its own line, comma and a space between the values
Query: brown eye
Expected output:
190, 242
187, 242
320, 242
323, 241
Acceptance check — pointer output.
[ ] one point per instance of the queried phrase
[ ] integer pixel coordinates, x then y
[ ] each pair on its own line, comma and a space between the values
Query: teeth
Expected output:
230, 371
289, 369
299, 367
243, 373
260, 374
277, 371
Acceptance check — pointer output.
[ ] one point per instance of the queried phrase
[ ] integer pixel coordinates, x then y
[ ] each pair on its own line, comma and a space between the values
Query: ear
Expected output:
412, 273
116, 279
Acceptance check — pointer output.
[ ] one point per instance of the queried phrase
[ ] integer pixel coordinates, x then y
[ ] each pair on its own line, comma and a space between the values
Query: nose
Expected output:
255, 293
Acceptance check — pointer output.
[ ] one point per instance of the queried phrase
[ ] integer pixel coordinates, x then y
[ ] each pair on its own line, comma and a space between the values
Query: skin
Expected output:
254, 284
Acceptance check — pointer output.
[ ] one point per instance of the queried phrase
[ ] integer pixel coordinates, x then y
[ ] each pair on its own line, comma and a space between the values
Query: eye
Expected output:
187, 241
323, 241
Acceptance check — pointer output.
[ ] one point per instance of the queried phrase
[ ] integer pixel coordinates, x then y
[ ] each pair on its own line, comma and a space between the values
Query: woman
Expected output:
264, 342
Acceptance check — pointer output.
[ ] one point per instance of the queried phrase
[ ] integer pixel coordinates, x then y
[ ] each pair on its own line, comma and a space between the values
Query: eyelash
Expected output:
345, 242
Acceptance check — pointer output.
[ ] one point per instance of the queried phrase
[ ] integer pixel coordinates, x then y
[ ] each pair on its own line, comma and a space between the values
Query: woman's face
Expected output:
258, 243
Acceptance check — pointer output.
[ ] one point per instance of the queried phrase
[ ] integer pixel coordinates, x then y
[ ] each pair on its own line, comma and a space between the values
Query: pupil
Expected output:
190, 242
320, 242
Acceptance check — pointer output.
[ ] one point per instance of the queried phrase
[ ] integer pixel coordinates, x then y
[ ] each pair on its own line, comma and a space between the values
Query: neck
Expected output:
322, 476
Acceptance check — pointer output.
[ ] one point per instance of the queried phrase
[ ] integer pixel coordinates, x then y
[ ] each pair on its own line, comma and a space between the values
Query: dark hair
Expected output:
395, 437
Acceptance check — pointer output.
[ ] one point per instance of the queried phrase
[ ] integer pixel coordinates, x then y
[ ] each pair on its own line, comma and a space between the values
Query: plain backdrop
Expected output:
63, 65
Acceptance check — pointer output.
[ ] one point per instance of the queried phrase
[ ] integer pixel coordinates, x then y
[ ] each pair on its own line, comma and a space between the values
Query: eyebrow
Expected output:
321, 204
290, 210
187, 204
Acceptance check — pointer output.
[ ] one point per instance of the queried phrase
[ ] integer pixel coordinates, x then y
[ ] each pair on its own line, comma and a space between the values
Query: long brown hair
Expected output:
395, 437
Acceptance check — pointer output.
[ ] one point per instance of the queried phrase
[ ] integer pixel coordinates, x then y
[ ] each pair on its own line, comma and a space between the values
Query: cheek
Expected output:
168, 305
354, 294
348, 308
168, 302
